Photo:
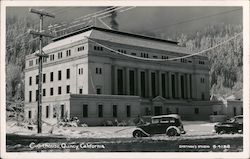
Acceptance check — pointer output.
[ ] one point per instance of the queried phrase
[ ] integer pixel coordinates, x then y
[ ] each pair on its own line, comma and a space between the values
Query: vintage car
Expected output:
170, 125
233, 125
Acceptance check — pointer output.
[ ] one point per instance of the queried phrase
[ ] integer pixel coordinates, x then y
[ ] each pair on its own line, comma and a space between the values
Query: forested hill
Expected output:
226, 61
225, 69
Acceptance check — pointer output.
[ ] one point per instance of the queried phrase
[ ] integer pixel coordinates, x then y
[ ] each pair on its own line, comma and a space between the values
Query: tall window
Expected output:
98, 70
98, 91
59, 55
85, 111
37, 79
68, 52
163, 85
30, 114
52, 57
51, 76
31, 63
120, 81
44, 92
80, 48
143, 84
80, 91
153, 84
182, 87
59, 90
68, 89
68, 73
115, 111
62, 111
59, 75
44, 78
47, 111
128, 110
30, 96
51, 91
173, 86
131, 82
100, 110
80, 71
202, 96
37, 94
30, 81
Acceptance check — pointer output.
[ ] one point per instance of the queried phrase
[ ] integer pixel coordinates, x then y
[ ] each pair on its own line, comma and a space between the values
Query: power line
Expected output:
193, 19
170, 59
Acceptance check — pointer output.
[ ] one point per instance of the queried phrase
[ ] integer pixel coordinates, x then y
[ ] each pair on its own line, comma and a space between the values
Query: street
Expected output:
199, 138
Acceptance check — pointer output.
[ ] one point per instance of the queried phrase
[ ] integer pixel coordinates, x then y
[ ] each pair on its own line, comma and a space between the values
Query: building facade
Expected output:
84, 76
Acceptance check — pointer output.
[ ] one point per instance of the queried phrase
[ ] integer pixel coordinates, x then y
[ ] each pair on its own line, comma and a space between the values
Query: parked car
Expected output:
170, 125
233, 125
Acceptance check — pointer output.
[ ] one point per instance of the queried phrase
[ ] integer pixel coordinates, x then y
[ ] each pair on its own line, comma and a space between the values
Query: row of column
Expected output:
166, 84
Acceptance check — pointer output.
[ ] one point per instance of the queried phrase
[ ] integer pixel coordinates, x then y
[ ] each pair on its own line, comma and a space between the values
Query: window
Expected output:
120, 79
177, 110
68, 89
114, 110
68, 74
196, 110
80, 71
59, 55
98, 48
30, 96
100, 110
44, 92
184, 60
80, 90
59, 90
47, 111
98, 91
235, 112
44, 78
59, 75
44, 59
37, 60
30, 114
167, 111
31, 63
51, 76
80, 48
202, 96
131, 82
128, 110
51, 91
85, 111
202, 80
122, 51
155, 57
51, 57
30, 81
68, 52
201, 62
98, 70
147, 111
164, 57
37, 94
62, 111
37, 79
134, 54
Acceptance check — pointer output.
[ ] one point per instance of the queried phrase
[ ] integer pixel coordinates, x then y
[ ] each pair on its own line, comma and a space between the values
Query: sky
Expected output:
170, 20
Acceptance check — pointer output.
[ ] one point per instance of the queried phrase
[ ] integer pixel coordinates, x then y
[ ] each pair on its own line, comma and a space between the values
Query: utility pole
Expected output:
40, 55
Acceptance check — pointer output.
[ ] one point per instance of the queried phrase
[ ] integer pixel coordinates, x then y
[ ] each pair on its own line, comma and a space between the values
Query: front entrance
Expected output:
157, 110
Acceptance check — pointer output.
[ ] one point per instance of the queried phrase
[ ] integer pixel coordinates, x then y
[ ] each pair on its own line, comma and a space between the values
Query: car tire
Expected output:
137, 134
172, 132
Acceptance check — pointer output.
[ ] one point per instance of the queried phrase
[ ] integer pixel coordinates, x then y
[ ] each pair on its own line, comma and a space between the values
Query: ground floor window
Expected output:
30, 114
158, 110
100, 110
47, 111
85, 111
114, 110
196, 110
128, 111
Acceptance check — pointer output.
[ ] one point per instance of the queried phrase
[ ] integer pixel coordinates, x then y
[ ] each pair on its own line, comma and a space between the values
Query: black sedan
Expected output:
233, 125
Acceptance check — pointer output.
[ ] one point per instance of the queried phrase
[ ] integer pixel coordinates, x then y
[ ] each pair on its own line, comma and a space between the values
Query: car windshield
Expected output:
156, 120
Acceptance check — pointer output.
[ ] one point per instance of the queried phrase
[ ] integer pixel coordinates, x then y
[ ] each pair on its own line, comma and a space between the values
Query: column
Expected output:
170, 85
138, 76
159, 83
188, 86
127, 82
149, 84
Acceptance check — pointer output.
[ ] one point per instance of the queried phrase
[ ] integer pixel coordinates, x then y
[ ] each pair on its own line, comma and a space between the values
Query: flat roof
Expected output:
111, 31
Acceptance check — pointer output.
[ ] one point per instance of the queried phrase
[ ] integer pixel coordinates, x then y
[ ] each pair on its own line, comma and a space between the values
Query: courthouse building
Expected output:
85, 77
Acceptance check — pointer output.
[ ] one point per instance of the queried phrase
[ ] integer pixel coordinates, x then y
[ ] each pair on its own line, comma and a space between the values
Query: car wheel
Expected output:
137, 134
172, 132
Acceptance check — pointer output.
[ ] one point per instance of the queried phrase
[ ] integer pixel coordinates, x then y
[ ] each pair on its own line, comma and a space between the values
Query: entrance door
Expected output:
158, 110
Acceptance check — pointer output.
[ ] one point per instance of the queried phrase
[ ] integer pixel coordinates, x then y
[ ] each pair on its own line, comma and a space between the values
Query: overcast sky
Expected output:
170, 20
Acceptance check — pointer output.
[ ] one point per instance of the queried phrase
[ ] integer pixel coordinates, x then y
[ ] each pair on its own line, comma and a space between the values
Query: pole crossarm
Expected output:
41, 12
40, 33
